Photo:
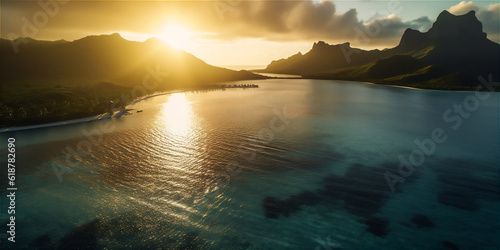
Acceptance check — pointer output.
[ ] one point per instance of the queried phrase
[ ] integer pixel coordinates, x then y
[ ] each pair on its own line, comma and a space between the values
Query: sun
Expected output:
176, 36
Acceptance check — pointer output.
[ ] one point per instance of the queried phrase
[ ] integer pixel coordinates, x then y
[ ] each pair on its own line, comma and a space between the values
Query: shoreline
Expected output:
397, 86
55, 124
100, 117
120, 113
414, 88
403, 87
116, 114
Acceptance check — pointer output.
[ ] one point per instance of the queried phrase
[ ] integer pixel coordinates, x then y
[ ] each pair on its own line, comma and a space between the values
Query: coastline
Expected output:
55, 124
403, 87
90, 118
120, 113
396, 86
414, 88
116, 114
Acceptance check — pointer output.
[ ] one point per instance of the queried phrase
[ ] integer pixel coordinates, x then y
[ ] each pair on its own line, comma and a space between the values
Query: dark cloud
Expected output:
422, 23
281, 21
228, 20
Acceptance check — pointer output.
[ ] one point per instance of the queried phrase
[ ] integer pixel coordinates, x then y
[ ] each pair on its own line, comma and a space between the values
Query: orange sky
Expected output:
236, 32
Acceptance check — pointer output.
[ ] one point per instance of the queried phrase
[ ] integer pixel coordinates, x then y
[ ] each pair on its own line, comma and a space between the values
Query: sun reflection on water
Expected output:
177, 115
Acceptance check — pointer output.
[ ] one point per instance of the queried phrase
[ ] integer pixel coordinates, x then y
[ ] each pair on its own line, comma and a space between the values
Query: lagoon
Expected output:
293, 164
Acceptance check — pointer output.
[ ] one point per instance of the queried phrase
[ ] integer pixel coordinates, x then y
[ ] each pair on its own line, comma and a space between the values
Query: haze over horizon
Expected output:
239, 33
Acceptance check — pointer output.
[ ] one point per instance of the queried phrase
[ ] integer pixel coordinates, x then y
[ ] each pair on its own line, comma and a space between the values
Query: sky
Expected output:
234, 32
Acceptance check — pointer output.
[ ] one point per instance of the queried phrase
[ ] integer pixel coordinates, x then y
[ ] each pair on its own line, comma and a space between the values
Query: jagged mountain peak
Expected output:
447, 29
320, 45
444, 15
465, 26
455, 43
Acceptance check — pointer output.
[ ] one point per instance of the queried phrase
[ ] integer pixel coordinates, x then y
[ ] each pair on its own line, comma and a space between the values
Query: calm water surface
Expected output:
295, 164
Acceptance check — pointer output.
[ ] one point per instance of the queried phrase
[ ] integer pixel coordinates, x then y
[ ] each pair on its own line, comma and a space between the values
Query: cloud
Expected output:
489, 16
224, 21
463, 8
306, 20
392, 27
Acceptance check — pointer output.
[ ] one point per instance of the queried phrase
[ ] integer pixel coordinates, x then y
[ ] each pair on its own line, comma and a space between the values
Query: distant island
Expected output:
46, 82
450, 56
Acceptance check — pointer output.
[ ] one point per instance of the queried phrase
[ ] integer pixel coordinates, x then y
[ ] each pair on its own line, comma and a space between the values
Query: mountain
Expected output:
450, 55
108, 58
454, 42
402, 70
323, 57
47, 81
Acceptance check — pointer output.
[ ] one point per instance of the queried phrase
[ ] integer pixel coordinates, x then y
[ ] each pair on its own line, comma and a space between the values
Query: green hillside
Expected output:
402, 70
54, 81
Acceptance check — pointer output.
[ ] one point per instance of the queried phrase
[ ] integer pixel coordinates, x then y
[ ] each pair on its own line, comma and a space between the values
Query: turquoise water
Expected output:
294, 164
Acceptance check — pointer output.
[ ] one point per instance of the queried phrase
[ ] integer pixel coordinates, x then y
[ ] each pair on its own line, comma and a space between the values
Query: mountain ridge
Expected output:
104, 57
49, 81
456, 44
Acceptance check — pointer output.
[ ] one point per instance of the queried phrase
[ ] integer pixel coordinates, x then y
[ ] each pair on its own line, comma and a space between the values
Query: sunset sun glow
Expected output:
176, 36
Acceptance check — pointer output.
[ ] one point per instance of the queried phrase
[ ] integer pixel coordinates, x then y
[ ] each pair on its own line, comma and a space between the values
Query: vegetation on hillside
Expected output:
27, 103
402, 71
54, 81
449, 56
